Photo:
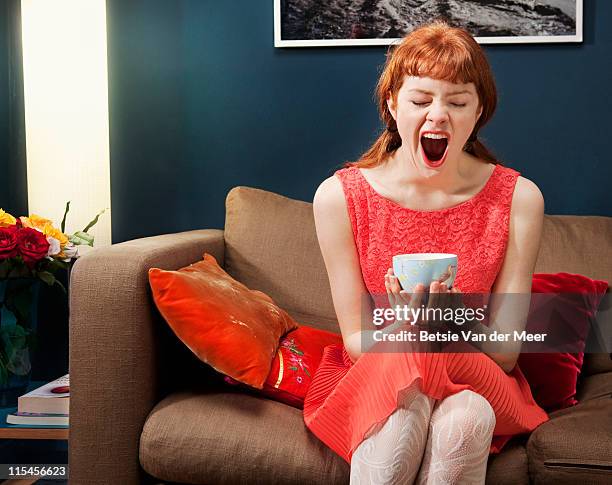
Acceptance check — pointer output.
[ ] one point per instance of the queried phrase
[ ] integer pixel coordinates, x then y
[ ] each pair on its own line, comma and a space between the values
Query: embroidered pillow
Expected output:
296, 360
553, 376
233, 329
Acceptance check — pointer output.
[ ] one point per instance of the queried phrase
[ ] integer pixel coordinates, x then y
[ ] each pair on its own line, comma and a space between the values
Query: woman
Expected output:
426, 185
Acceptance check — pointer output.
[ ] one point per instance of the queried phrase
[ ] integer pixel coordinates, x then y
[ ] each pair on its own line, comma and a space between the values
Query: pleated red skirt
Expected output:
345, 400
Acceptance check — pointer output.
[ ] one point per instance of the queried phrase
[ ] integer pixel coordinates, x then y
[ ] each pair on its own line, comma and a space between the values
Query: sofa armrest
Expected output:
114, 355
574, 446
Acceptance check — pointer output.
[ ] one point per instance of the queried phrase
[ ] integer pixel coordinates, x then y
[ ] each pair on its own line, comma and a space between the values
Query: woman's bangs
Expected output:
446, 64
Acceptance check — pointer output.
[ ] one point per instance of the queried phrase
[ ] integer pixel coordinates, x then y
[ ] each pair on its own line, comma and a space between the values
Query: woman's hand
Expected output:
440, 296
399, 297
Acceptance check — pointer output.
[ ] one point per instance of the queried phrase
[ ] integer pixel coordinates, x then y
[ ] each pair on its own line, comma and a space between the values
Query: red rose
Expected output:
8, 242
33, 245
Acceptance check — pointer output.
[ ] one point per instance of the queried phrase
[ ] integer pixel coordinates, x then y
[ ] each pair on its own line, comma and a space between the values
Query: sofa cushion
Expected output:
575, 244
294, 365
575, 306
230, 437
233, 329
271, 245
187, 439
510, 466
595, 386
574, 446
597, 364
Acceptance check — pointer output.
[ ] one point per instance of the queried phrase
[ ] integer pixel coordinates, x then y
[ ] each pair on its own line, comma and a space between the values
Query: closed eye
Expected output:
458, 105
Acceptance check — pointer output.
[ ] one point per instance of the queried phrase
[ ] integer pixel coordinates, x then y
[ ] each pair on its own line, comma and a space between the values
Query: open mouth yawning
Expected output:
434, 148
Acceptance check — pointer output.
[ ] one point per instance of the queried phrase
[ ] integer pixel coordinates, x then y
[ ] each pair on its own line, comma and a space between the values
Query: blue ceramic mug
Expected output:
425, 268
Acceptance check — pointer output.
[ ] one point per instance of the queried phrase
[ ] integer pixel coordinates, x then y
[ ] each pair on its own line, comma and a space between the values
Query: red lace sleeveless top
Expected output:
476, 230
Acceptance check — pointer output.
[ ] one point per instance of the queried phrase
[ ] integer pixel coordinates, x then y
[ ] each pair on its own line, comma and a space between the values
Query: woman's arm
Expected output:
341, 260
515, 276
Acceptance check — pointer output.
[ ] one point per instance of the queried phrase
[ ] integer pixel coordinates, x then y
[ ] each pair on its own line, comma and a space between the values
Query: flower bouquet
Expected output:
32, 250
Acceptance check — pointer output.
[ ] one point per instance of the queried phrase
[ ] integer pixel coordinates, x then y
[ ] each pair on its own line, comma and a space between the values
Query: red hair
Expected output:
442, 52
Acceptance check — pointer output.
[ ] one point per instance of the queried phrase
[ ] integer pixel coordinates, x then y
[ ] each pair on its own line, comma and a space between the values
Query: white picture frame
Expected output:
564, 6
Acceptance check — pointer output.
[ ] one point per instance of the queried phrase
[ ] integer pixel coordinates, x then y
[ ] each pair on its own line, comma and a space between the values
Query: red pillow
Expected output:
233, 329
294, 365
553, 376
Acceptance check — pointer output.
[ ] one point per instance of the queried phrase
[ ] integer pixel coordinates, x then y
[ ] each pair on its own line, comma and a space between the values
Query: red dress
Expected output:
346, 400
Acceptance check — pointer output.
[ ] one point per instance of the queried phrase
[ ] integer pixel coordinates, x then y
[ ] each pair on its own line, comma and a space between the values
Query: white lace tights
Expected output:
443, 442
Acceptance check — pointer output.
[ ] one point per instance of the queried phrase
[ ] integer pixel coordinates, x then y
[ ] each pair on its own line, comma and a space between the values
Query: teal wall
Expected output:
13, 183
201, 101
4, 107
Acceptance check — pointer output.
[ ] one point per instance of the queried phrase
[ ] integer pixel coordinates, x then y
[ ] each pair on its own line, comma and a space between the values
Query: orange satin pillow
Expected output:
233, 329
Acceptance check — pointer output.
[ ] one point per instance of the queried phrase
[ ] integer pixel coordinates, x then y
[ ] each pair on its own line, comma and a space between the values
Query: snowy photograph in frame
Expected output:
312, 23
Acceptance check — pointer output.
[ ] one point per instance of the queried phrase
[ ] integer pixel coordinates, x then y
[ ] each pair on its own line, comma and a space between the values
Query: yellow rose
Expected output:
49, 230
6, 219
34, 221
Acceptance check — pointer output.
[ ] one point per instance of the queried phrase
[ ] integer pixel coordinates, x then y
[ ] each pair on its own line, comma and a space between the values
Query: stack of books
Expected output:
47, 405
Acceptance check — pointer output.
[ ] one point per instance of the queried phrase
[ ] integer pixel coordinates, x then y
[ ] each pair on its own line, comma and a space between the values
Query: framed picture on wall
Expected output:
311, 23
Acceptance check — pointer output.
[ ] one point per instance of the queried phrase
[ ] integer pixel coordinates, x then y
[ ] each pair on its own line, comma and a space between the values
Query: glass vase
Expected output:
18, 322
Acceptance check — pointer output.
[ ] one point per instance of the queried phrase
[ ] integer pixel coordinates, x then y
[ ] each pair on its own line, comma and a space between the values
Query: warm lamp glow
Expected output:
66, 111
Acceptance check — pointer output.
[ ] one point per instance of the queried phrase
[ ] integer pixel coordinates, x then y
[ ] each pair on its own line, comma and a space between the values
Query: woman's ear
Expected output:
479, 113
391, 106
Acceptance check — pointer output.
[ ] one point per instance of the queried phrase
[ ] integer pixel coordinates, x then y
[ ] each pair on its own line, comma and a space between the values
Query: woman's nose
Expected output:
437, 113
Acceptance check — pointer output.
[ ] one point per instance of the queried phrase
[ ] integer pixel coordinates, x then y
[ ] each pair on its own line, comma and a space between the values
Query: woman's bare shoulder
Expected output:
527, 212
527, 196
330, 209
329, 195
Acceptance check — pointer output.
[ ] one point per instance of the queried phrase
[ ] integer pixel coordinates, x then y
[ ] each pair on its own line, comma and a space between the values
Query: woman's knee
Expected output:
468, 411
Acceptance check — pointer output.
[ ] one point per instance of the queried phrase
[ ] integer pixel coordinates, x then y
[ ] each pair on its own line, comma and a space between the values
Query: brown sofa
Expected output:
145, 410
